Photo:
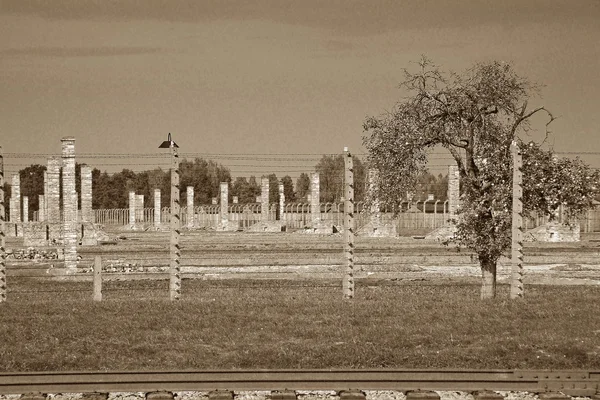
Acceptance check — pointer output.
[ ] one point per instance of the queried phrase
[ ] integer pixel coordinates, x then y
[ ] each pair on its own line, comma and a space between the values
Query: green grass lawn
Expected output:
242, 324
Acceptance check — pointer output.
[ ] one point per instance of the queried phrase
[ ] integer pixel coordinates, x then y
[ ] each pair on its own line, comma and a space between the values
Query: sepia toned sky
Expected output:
271, 76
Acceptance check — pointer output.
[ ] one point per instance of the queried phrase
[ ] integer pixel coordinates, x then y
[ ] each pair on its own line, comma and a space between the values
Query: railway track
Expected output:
572, 383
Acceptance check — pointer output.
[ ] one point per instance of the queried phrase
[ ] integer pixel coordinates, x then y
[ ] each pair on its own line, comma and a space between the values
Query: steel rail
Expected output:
572, 382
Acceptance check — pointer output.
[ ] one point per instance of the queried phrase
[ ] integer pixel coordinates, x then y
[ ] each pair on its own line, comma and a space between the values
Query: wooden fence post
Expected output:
348, 282
2, 234
516, 283
97, 278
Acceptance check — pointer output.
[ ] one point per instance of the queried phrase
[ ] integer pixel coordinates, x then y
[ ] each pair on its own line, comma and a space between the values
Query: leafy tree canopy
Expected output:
331, 178
476, 116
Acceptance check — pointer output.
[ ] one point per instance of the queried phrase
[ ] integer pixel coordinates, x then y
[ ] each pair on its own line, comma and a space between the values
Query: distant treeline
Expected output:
112, 190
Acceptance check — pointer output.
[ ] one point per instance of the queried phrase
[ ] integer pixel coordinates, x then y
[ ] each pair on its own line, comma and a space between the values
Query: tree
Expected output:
288, 189
331, 178
255, 187
475, 116
430, 184
7, 195
205, 177
241, 188
302, 187
273, 189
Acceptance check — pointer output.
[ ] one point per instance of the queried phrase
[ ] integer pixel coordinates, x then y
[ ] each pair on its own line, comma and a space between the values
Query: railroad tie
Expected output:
160, 395
33, 396
352, 395
95, 396
487, 395
283, 395
422, 395
220, 395
553, 396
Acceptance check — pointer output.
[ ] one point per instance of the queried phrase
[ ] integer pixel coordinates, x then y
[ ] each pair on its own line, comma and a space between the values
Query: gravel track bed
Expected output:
301, 395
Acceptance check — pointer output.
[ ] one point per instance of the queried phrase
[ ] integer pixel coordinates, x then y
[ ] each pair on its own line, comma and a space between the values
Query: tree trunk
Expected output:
488, 277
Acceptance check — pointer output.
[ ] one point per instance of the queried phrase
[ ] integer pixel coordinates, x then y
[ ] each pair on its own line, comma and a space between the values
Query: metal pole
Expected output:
175, 251
516, 283
2, 230
348, 283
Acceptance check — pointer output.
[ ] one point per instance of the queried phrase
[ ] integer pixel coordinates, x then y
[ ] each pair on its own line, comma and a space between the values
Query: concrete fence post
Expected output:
69, 204
348, 282
516, 283
157, 208
2, 232
97, 278
174, 250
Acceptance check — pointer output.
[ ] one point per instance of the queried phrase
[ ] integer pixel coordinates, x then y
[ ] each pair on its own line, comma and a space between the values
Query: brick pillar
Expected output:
15, 205
315, 206
139, 208
281, 202
453, 190
45, 203
157, 207
264, 199
69, 204
25, 208
41, 208
224, 211
132, 201
190, 206
375, 210
87, 215
53, 193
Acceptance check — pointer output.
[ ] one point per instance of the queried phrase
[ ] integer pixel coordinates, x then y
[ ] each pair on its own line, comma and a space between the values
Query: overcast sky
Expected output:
271, 76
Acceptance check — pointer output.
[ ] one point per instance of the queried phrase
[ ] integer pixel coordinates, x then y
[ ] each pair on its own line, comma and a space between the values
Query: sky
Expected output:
271, 77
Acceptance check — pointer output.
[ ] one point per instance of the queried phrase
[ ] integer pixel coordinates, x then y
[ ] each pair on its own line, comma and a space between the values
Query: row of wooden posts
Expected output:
349, 229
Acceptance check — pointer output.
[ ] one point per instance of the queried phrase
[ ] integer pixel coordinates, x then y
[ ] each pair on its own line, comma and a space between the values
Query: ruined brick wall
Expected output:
224, 210
69, 204
315, 207
86, 194
453, 190
53, 191
264, 199
132, 201
157, 209
25, 208
190, 206
15, 203
41, 208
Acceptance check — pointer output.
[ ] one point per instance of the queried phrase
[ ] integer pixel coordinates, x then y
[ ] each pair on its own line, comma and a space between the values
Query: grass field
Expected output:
279, 324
